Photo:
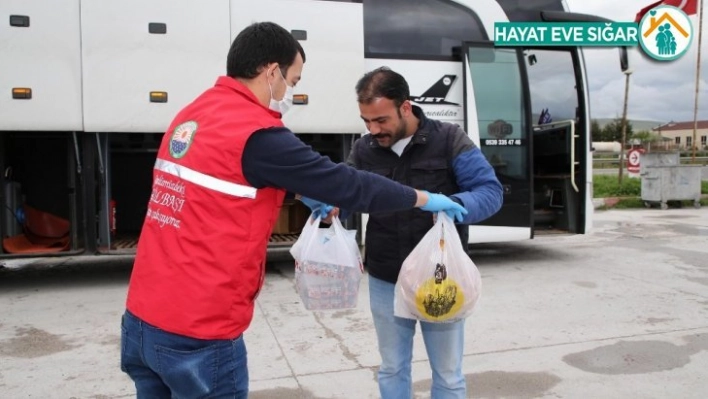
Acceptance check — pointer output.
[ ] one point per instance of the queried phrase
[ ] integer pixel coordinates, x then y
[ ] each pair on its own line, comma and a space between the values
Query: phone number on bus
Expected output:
502, 142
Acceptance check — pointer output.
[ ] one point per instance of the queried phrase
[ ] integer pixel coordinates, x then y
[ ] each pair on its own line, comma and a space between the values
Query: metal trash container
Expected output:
671, 183
658, 159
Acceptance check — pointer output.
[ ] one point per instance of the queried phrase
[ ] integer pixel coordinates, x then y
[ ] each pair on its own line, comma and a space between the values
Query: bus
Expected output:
88, 87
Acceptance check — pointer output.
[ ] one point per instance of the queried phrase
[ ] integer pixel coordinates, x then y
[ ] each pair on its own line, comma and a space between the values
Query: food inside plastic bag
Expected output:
438, 282
328, 266
327, 286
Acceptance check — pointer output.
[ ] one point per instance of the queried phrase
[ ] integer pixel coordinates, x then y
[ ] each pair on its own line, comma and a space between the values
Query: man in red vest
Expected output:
222, 171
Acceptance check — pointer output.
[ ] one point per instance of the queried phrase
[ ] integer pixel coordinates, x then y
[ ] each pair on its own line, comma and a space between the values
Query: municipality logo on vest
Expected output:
182, 138
664, 33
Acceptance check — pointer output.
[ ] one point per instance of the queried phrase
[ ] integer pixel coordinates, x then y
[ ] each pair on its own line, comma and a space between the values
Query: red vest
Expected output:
200, 261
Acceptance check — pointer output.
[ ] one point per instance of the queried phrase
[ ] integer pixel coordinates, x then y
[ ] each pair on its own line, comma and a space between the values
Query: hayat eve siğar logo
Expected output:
665, 33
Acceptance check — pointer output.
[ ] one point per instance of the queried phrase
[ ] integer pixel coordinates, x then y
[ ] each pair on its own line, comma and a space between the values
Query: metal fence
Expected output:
615, 161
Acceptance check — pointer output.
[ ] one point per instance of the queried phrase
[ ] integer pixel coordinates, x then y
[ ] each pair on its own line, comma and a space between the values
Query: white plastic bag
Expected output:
328, 266
438, 281
310, 227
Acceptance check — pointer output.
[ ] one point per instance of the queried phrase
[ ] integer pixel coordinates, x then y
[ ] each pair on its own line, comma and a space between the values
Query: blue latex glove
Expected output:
442, 203
320, 209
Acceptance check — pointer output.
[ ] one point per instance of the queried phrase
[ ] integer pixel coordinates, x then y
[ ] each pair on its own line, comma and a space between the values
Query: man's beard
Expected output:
394, 137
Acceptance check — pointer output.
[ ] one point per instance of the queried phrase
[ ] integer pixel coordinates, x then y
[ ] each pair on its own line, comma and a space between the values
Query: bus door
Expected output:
497, 118
560, 141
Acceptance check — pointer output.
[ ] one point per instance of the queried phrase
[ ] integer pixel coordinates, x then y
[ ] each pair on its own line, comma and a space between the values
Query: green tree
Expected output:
613, 130
595, 130
647, 138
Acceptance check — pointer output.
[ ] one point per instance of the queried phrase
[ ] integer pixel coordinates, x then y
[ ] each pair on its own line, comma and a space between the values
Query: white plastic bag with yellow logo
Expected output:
438, 281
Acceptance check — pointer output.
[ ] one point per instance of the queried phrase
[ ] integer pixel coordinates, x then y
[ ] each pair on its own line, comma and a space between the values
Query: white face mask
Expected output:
283, 105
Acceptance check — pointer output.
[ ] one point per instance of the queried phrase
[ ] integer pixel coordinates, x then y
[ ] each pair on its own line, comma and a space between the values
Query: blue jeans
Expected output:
444, 343
165, 365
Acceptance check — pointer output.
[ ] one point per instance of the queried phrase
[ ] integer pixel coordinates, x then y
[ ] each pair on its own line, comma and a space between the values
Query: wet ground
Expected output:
619, 313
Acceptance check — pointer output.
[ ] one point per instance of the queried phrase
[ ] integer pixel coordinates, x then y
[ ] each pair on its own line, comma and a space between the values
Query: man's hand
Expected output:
442, 203
319, 208
331, 215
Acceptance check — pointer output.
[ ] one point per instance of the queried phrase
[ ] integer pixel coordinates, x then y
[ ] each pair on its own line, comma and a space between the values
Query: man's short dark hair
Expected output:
382, 83
258, 45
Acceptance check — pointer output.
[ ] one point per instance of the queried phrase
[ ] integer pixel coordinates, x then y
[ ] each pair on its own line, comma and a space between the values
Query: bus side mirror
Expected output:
457, 53
624, 59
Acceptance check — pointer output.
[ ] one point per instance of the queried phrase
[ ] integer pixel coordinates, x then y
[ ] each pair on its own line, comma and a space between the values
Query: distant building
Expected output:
679, 135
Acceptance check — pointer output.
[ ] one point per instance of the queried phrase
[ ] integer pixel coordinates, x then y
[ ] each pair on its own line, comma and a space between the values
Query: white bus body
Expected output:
87, 88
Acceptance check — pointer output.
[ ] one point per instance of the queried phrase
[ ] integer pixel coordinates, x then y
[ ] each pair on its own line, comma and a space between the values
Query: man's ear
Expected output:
270, 69
406, 108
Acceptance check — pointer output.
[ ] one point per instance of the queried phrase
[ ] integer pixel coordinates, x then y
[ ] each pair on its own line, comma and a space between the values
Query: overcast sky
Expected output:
660, 91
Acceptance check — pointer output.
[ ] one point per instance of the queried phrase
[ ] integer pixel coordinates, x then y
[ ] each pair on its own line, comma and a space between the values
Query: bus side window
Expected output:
522, 10
418, 29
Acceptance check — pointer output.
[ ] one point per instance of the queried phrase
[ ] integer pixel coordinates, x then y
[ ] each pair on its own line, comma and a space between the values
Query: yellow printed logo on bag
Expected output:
439, 298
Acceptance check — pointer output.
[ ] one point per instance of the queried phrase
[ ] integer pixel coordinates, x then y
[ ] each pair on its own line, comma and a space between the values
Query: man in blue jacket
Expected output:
405, 146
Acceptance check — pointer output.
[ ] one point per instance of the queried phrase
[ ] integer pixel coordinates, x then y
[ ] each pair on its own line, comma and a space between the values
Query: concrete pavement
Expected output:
619, 313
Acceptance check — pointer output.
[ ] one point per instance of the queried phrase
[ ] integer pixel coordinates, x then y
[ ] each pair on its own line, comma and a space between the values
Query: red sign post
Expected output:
633, 157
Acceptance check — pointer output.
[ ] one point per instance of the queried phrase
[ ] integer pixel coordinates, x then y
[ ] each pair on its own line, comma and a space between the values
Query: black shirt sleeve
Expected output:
275, 157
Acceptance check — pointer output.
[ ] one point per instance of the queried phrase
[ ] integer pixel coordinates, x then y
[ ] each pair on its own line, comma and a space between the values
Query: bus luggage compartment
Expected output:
123, 197
39, 194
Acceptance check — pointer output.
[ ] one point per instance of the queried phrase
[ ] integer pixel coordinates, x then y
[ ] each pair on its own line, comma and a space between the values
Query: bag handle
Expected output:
309, 231
342, 232
337, 226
